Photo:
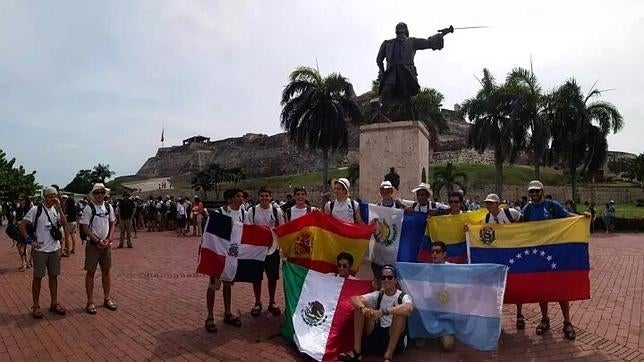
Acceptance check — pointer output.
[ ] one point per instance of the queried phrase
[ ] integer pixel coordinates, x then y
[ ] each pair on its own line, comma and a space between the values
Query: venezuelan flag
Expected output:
315, 240
450, 229
547, 260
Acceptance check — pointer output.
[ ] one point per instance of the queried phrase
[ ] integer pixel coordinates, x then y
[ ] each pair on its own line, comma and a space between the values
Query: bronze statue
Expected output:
399, 81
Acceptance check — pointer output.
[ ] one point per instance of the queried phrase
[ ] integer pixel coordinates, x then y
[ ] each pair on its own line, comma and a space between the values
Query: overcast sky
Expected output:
83, 82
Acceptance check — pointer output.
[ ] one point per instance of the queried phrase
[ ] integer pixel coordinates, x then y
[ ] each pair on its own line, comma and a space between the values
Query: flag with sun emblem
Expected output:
465, 300
319, 312
548, 260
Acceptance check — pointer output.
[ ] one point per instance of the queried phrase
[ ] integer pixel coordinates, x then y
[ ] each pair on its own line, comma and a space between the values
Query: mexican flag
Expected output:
319, 313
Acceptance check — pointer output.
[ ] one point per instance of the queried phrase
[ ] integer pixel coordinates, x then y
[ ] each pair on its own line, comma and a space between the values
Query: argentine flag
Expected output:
465, 300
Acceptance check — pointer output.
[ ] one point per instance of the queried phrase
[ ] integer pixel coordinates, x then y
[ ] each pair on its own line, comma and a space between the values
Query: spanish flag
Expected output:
547, 260
450, 229
315, 240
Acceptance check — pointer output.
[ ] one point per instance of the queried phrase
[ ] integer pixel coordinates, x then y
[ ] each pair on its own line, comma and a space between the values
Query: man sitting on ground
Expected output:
379, 320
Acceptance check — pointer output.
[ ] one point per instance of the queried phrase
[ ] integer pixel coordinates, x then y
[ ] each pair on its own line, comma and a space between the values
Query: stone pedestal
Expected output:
403, 145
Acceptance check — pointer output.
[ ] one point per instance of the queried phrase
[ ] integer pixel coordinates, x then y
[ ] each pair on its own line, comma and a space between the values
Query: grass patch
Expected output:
512, 174
307, 180
628, 210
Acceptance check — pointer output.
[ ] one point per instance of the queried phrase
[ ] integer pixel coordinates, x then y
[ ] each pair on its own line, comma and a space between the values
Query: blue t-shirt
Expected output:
545, 210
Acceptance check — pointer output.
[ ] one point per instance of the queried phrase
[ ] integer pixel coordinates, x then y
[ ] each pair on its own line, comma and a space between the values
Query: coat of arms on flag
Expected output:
232, 251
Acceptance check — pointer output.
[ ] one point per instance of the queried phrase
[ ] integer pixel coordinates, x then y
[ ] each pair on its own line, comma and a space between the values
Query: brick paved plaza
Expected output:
162, 309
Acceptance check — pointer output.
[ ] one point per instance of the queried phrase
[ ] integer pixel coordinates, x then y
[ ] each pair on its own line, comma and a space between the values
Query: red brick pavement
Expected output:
162, 302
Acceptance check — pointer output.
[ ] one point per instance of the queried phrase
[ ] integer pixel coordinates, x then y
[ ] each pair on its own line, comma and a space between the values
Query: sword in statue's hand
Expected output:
451, 29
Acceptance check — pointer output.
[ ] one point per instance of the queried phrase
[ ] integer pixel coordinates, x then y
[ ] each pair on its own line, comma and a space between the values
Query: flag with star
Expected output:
547, 260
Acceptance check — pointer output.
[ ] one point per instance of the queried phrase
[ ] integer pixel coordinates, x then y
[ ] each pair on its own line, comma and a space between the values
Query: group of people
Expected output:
380, 316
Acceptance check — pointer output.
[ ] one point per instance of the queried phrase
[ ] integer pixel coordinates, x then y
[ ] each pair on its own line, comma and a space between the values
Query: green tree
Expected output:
235, 175
315, 111
81, 183
353, 173
15, 180
529, 108
493, 126
201, 182
101, 173
448, 177
579, 129
635, 169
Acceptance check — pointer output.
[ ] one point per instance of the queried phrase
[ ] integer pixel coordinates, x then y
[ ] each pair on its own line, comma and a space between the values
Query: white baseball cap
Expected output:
492, 198
386, 185
535, 185
344, 182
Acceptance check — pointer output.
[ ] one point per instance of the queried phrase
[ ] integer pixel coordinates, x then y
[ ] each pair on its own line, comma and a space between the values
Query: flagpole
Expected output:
162, 136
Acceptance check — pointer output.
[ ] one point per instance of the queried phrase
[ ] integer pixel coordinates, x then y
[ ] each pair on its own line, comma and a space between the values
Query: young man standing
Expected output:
423, 196
265, 213
343, 208
98, 226
234, 199
540, 208
379, 320
46, 219
301, 206
126, 213
387, 196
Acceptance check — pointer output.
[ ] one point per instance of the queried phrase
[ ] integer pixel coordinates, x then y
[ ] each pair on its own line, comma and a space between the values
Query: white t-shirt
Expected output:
43, 235
181, 209
101, 224
342, 210
388, 301
264, 216
502, 218
234, 214
297, 212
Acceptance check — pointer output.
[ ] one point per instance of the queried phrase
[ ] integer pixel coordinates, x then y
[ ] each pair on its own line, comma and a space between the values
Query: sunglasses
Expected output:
99, 192
387, 277
435, 252
454, 201
534, 191
343, 266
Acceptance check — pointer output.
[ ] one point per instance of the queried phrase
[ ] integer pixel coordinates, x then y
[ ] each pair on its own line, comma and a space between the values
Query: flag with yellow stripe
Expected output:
450, 229
315, 240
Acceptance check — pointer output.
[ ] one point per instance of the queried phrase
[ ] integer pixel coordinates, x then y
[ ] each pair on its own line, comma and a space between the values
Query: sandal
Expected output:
90, 309
36, 313
543, 326
109, 305
58, 309
387, 359
257, 309
232, 320
353, 357
210, 325
274, 309
569, 331
520, 322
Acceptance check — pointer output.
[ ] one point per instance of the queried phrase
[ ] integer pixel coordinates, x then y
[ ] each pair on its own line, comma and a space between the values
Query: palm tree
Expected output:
448, 177
353, 173
530, 109
493, 124
315, 112
579, 129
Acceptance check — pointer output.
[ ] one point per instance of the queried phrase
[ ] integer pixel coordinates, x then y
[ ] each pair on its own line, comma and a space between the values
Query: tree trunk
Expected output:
499, 178
537, 171
573, 174
325, 170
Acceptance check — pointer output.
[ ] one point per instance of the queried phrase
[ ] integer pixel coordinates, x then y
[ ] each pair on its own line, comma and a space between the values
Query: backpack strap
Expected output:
379, 300
287, 214
308, 209
487, 218
254, 207
550, 208
508, 214
35, 223
414, 206
331, 207
277, 220
400, 297
353, 209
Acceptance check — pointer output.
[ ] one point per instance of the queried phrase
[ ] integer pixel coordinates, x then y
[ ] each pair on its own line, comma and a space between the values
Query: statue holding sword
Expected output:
399, 80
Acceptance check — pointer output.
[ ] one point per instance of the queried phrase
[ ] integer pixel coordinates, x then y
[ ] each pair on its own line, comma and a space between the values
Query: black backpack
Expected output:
507, 212
241, 210
351, 206
85, 237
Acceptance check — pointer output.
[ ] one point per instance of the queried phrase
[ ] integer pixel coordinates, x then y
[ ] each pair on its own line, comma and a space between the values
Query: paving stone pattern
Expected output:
162, 310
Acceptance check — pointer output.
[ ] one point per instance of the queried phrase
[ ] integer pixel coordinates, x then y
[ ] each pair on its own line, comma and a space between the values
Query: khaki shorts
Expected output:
95, 256
49, 261
125, 225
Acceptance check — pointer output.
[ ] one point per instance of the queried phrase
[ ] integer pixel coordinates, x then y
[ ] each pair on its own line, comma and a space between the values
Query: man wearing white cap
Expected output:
45, 220
386, 195
538, 209
343, 207
98, 226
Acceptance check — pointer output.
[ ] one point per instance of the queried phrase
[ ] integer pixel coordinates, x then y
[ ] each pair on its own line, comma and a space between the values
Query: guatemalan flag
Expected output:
463, 300
319, 312
232, 251
547, 260
450, 230
399, 235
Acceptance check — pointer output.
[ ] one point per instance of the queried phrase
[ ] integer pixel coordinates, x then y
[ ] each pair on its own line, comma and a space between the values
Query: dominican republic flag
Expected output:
319, 312
450, 230
232, 251
463, 300
547, 260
